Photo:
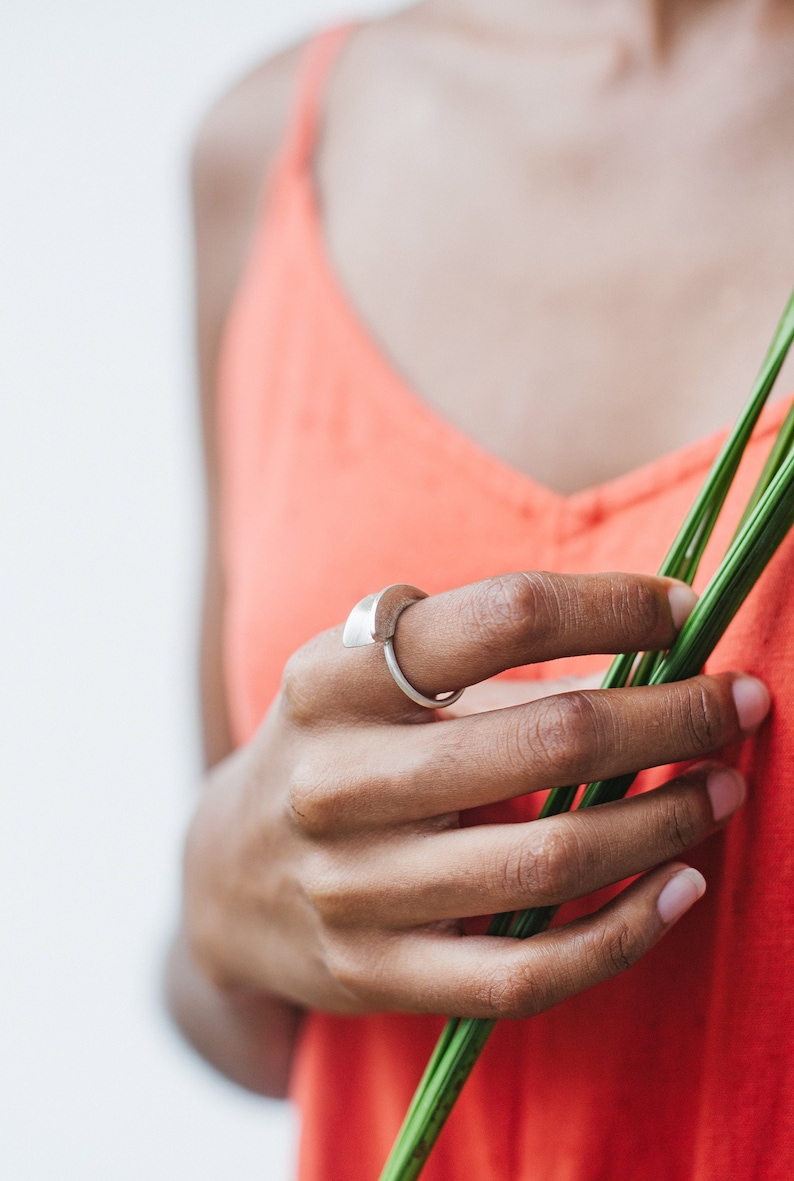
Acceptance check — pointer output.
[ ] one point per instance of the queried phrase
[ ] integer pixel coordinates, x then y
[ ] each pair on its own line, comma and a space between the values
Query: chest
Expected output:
579, 273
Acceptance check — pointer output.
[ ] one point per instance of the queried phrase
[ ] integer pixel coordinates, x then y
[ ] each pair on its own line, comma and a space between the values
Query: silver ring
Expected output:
374, 620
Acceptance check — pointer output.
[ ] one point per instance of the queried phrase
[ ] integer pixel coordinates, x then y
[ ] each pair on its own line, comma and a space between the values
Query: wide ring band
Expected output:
374, 621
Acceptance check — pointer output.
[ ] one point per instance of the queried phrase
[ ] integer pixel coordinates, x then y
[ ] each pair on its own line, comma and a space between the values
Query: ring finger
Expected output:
502, 867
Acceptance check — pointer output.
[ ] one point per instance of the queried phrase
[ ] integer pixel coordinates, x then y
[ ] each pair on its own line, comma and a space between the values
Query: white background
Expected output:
100, 529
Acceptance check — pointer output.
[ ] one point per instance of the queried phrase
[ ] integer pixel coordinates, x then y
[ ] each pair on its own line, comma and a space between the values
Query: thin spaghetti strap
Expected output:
318, 61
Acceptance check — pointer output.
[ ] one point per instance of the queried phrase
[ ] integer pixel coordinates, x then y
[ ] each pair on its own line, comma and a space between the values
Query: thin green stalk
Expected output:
740, 569
683, 558
687, 549
746, 559
780, 449
420, 1133
769, 517
750, 552
435, 1058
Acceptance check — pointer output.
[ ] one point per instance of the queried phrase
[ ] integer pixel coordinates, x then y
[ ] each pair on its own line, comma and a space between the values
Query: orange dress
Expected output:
337, 480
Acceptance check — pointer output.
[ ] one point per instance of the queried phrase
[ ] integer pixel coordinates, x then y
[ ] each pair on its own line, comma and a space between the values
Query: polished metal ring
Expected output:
374, 620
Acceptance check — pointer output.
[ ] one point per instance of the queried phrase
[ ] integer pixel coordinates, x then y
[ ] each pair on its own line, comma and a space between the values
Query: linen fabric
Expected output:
336, 481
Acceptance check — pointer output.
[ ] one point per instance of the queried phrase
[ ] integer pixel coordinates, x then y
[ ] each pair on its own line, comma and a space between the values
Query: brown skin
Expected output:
584, 215
665, 153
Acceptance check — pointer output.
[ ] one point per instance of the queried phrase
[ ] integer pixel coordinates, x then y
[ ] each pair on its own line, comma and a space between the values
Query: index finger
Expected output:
474, 632
464, 636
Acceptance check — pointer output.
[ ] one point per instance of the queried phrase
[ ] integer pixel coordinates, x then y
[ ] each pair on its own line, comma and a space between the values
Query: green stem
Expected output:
780, 449
454, 1060
693, 536
428, 1116
768, 519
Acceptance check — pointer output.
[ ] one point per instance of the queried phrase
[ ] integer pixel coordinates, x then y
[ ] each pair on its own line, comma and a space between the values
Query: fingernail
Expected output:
681, 892
726, 788
682, 601
752, 701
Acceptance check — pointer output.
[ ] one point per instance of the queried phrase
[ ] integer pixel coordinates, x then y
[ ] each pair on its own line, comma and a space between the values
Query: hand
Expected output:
325, 863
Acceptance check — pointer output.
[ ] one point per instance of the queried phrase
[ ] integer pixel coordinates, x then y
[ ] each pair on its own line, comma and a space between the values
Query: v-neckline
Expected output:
594, 501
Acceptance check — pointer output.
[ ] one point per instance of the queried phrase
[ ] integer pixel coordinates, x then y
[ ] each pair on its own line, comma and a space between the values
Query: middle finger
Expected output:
393, 775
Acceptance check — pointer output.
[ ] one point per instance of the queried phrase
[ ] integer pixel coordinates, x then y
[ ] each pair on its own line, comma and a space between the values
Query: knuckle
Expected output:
539, 871
567, 735
345, 967
639, 601
517, 746
327, 888
296, 696
682, 823
705, 720
302, 800
512, 604
565, 862
357, 968
515, 874
502, 995
617, 948
314, 800
505, 600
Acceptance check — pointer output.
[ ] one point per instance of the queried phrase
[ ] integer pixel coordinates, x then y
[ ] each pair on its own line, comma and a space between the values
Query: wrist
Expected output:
247, 1034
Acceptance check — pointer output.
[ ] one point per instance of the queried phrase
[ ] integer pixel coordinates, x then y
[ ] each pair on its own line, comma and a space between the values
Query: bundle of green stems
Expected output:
766, 520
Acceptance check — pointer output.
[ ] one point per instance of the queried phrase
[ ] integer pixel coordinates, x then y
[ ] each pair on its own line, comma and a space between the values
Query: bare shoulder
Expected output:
240, 135
393, 61
243, 127
233, 149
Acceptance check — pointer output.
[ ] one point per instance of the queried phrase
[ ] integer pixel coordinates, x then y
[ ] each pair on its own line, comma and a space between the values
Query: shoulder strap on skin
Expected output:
318, 61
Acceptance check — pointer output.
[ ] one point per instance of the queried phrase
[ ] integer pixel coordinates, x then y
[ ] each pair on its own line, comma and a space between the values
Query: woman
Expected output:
512, 262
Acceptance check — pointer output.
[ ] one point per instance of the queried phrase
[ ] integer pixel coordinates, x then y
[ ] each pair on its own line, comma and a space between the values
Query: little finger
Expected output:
492, 977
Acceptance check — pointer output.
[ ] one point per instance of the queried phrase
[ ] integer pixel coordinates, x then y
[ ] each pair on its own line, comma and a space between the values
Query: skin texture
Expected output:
532, 169
661, 168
